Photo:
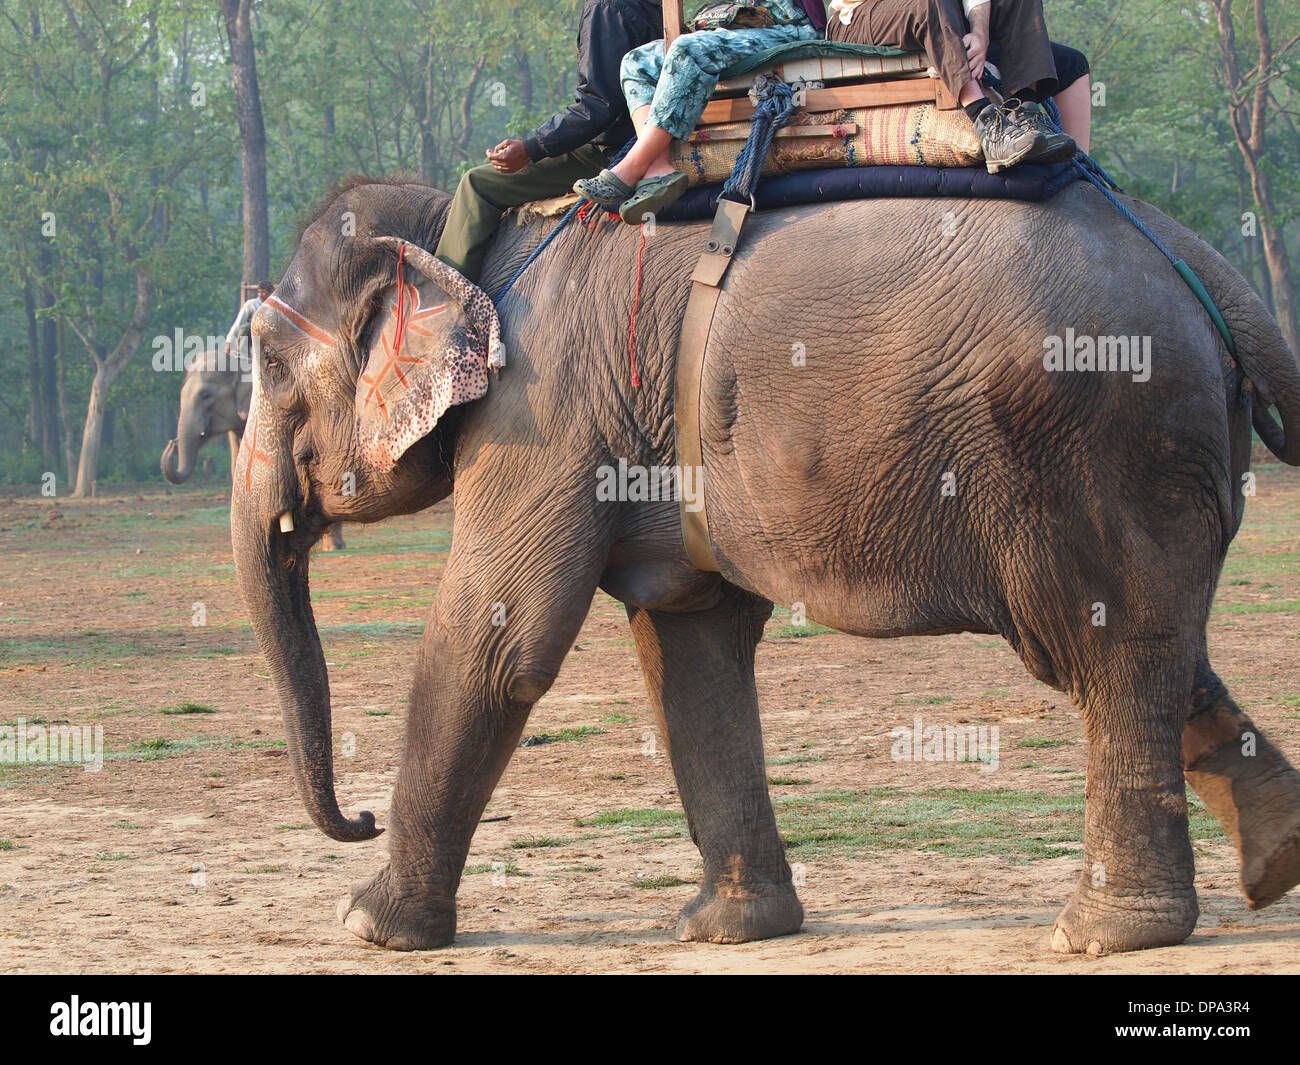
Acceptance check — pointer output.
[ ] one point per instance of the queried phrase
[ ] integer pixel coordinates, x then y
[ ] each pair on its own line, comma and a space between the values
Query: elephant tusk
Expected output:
286, 522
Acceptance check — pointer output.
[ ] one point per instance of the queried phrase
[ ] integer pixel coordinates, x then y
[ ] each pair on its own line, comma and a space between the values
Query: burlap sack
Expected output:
903, 135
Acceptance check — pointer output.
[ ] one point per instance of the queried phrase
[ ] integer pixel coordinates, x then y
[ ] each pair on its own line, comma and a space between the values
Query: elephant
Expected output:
883, 441
214, 400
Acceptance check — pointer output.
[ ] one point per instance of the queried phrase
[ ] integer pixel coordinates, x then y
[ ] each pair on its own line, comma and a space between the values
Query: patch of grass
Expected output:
637, 818
189, 708
1020, 826
617, 717
302, 826
563, 735
1038, 741
799, 632
1272, 606
651, 882
788, 781
927, 700
509, 868
6, 844
260, 869
379, 630
794, 759
377, 713
537, 842
124, 824
151, 748
105, 856
664, 833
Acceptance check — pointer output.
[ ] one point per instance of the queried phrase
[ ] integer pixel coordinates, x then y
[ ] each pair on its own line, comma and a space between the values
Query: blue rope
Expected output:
546, 242
1091, 171
775, 108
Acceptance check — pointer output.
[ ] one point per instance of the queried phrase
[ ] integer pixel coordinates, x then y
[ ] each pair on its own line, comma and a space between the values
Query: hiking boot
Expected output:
1059, 146
1007, 137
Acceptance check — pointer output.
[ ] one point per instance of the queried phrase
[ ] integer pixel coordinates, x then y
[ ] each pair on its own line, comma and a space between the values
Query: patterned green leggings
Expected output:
677, 88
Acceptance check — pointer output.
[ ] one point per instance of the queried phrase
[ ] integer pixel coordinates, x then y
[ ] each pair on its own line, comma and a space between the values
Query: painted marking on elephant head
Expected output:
254, 455
301, 322
402, 321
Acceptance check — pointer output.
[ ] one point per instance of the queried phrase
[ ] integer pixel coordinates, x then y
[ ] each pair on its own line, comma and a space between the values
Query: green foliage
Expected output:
119, 122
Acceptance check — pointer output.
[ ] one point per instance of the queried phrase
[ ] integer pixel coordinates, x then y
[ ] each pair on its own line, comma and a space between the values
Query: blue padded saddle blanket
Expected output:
1028, 181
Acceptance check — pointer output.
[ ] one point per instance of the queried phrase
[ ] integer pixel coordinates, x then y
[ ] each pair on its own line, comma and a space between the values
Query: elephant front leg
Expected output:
699, 669
1248, 785
1136, 889
497, 635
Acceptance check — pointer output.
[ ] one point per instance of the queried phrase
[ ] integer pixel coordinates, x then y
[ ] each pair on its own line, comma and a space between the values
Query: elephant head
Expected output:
353, 374
214, 400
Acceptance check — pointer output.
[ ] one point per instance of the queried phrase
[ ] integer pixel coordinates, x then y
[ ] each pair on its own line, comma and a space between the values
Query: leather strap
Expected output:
697, 323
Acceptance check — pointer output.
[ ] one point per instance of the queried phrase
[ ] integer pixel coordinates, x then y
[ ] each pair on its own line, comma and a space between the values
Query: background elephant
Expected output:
215, 401
883, 444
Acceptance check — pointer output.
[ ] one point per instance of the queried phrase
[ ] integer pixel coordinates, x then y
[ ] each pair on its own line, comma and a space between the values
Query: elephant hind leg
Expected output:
1136, 887
1248, 784
699, 669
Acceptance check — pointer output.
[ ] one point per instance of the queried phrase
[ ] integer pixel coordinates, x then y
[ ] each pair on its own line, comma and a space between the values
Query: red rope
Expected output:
399, 331
636, 302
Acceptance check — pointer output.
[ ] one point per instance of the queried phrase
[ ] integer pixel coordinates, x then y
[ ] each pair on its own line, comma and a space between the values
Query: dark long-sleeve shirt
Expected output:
609, 30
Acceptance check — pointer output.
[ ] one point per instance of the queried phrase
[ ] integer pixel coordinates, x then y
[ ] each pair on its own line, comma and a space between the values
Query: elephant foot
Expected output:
333, 539
377, 914
1268, 875
1250, 787
1096, 922
740, 915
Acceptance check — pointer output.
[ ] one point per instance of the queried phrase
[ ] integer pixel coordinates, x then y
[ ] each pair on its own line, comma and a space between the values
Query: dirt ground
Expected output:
188, 851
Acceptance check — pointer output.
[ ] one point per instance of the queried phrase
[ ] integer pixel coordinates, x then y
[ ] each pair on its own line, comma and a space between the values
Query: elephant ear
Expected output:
429, 347
243, 397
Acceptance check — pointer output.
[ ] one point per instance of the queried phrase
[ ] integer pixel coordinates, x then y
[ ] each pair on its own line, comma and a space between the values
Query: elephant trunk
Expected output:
180, 455
271, 566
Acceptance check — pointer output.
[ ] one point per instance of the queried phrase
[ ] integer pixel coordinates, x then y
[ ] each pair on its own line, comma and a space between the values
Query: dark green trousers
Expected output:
485, 194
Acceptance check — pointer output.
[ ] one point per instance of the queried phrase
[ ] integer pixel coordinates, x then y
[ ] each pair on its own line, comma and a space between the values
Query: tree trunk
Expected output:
91, 435
33, 366
525, 78
65, 420
252, 139
1248, 103
106, 371
49, 357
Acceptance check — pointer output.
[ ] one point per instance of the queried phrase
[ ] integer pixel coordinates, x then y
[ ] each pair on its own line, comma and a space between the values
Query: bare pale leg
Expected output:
649, 156
1075, 103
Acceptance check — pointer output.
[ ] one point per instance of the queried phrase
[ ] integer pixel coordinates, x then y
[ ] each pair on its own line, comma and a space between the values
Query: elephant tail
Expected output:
1261, 350
1271, 365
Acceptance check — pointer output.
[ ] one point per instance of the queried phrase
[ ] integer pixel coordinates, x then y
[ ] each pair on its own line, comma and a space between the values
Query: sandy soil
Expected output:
188, 852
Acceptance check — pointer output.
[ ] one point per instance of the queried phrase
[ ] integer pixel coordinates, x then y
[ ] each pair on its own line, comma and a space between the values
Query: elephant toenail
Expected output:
358, 922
